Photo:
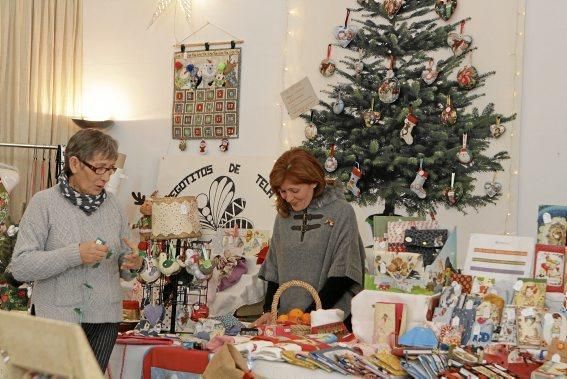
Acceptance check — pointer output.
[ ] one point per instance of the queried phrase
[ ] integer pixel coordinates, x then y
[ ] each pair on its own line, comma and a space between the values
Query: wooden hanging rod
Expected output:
214, 43
28, 146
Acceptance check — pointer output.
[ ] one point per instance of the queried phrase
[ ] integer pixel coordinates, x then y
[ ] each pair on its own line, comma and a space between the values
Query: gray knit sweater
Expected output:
334, 249
47, 252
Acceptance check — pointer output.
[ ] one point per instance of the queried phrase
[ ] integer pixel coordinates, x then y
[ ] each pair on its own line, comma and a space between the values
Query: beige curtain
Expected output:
40, 84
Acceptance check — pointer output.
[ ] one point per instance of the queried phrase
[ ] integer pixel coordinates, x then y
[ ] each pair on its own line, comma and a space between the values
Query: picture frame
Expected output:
549, 264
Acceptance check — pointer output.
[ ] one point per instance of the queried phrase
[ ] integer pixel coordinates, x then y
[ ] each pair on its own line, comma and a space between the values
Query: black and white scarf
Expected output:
87, 203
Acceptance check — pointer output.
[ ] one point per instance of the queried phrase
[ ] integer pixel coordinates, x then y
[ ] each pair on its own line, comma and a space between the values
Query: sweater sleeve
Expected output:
127, 275
30, 260
270, 292
348, 254
269, 269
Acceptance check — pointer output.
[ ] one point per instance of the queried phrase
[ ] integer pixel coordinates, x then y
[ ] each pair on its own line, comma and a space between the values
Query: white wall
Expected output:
133, 67
543, 160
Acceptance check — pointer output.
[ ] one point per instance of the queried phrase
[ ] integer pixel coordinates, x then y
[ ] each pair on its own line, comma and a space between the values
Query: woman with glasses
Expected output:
72, 244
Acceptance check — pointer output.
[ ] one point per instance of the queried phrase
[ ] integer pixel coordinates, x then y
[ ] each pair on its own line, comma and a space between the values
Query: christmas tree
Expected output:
405, 115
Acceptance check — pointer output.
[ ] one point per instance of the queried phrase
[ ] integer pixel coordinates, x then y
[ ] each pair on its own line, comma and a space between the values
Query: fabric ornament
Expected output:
409, 123
86, 203
311, 128
392, 7
345, 34
339, 105
467, 77
355, 175
458, 42
203, 147
445, 8
496, 130
464, 156
429, 74
327, 67
492, 188
223, 147
417, 185
331, 163
371, 117
389, 89
182, 144
449, 113
450, 191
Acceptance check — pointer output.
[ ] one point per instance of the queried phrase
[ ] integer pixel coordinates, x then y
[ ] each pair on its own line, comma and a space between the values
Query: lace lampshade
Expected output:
175, 217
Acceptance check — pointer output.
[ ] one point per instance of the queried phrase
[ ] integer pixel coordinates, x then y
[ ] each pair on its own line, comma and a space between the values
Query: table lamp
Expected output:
175, 218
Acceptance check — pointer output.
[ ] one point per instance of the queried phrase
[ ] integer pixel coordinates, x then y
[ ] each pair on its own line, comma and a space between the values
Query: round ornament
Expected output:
429, 74
389, 89
338, 106
327, 67
392, 7
496, 130
464, 156
371, 117
467, 77
310, 131
445, 8
449, 113
331, 163
459, 42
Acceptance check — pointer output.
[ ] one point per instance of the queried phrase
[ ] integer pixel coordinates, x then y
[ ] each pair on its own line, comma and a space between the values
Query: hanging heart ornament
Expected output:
371, 118
496, 130
449, 113
492, 188
458, 42
389, 89
392, 7
429, 74
345, 34
153, 313
445, 8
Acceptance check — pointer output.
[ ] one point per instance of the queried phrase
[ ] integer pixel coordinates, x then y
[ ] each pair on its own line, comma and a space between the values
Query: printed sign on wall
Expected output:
230, 192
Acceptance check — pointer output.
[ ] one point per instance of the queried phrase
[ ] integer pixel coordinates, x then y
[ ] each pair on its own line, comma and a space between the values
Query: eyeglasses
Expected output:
98, 170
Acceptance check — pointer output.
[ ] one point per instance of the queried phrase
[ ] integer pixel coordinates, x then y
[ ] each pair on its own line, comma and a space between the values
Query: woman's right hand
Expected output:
265, 319
91, 252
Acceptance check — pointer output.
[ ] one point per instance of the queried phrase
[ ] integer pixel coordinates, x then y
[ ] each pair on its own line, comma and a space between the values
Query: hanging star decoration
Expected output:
163, 4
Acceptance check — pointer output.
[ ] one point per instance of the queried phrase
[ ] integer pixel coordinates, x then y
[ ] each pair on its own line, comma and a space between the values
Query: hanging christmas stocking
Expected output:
417, 184
355, 176
409, 124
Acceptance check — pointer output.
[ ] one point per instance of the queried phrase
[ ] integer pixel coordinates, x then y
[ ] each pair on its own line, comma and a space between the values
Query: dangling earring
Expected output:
314, 185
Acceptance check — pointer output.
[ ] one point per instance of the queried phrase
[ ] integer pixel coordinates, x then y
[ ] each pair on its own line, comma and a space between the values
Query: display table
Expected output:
128, 354
277, 370
165, 361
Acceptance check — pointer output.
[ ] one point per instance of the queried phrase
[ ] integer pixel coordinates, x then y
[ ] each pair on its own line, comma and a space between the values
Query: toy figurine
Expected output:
144, 224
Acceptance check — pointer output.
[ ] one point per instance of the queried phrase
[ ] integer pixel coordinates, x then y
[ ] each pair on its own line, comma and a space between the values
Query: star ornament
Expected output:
163, 4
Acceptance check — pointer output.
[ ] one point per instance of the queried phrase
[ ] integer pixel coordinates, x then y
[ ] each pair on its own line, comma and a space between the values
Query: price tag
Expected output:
527, 312
546, 218
469, 304
456, 321
476, 329
518, 285
183, 209
556, 358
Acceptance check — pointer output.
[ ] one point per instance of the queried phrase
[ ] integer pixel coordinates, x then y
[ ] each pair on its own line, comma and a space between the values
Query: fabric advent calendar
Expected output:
206, 94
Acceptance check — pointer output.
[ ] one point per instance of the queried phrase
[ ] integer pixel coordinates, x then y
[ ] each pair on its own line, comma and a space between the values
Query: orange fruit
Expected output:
295, 315
281, 318
306, 319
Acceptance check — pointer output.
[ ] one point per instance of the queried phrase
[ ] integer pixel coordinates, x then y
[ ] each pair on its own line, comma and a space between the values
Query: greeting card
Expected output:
529, 292
529, 321
550, 265
552, 225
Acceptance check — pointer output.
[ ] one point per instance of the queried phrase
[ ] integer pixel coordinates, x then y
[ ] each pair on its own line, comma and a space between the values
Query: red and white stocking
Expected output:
417, 184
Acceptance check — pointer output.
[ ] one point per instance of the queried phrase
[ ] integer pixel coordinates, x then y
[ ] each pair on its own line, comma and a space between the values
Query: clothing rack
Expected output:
28, 146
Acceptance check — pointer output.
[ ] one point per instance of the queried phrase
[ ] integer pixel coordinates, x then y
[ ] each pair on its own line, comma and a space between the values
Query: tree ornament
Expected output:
450, 191
458, 42
345, 34
464, 156
493, 187
339, 105
496, 130
203, 147
328, 66
223, 147
449, 113
310, 129
389, 88
355, 175
409, 123
417, 185
392, 7
429, 74
371, 117
359, 65
331, 163
445, 8
467, 77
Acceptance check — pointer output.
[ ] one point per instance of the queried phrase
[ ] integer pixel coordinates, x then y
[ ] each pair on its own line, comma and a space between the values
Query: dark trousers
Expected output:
101, 337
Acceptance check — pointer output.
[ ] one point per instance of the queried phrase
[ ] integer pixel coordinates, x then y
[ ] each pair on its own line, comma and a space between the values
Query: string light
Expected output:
516, 108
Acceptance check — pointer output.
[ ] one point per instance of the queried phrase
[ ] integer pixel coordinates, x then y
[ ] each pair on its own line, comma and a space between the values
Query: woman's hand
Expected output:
132, 261
265, 319
91, 252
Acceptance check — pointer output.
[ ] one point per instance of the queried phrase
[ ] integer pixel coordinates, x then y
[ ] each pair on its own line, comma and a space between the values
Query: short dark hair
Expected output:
87, 143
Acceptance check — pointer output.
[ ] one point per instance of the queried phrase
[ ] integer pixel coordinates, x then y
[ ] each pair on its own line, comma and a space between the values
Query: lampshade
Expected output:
175, 217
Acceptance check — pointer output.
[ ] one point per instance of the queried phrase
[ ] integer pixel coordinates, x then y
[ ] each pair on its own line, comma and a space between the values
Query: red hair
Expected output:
300, 167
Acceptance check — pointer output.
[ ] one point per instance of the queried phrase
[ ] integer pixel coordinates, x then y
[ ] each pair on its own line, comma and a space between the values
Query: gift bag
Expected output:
427, 242
397, 229
465, 281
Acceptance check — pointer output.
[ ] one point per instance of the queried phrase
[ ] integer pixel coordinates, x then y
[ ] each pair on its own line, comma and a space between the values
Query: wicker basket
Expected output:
296, 329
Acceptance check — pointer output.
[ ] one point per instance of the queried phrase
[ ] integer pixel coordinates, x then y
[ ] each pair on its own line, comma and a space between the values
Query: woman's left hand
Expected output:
131, 261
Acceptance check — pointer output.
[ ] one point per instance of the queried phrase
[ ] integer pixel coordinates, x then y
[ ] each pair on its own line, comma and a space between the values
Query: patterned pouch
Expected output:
426, 242
464, 280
